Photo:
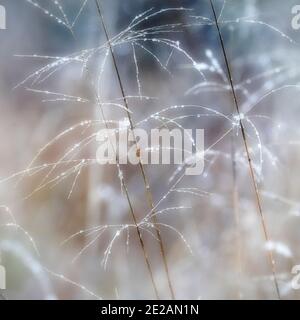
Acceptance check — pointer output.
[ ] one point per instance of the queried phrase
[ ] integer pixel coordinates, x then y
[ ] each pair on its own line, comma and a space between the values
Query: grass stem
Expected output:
141, 166
243, 132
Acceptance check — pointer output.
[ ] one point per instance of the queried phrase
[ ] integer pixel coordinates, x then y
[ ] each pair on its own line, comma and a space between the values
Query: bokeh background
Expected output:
229, 259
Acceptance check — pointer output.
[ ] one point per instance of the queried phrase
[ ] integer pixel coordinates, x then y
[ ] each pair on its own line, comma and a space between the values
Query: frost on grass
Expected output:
148, 35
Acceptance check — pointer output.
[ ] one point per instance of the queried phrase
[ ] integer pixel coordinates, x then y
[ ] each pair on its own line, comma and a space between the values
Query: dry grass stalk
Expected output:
244, 137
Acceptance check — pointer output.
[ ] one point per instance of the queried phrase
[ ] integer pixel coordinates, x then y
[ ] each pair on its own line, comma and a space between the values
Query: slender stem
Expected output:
235, 203
252, 175
142, 169
124, 187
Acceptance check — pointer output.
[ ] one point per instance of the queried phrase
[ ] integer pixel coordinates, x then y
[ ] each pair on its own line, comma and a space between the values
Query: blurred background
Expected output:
55, 66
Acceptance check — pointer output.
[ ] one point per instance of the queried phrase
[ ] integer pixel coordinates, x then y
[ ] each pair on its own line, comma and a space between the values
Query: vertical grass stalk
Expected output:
141, 166
245, 141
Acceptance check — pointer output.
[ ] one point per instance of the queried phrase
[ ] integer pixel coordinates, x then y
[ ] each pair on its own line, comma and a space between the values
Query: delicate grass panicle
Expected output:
170, 67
